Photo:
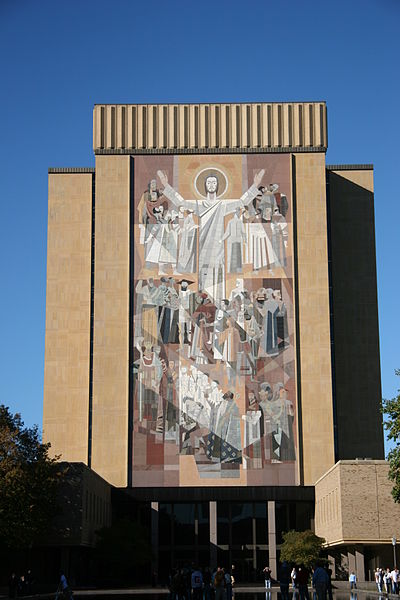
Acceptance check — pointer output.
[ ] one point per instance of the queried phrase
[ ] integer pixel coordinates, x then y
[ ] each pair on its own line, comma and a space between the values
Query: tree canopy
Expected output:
301, 547
391, 411
29, 481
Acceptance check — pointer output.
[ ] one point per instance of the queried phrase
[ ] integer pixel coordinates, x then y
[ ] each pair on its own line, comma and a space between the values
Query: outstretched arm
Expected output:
248, 196
253, 191
172, 195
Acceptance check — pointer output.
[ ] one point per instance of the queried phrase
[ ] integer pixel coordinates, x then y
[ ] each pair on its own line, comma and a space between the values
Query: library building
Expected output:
212, 347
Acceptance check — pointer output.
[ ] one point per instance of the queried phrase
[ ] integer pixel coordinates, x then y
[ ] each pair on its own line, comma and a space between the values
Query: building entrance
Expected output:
241, 535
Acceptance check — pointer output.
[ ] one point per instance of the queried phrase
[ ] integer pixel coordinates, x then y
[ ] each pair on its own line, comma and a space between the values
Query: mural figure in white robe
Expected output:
211, 213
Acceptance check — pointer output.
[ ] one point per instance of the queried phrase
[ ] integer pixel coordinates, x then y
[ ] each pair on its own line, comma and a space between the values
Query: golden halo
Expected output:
200, 179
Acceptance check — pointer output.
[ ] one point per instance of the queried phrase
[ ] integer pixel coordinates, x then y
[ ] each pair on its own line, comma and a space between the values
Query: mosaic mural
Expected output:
214, 351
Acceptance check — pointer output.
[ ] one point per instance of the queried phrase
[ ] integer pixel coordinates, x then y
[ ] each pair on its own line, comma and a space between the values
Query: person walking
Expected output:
197, 584
293, 576
284, 580
63, 587
378, 580
303, 576
219, 584
207, 584
13, 586
329, 586
228, 585
320, 582
395, 580
353, 581
387, 580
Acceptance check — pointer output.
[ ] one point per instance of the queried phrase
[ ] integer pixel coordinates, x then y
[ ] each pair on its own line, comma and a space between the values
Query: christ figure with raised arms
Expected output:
211, 212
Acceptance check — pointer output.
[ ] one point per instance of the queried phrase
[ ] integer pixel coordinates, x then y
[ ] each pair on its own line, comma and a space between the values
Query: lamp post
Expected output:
394, 551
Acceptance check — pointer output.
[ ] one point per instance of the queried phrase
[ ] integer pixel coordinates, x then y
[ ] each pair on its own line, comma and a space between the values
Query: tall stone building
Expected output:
211, 326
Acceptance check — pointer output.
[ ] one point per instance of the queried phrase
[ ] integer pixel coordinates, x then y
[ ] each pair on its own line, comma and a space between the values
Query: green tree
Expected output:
301, 547
29, 481
391, 411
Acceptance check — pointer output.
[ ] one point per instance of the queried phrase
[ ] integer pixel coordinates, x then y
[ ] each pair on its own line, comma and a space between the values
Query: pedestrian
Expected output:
378, 579
29, 582
303, 575
267, 577
329, 586
395, 580
320, 582
207, 584
63, 587
387, 580
13, 586
353, 581
381, 574
233, 579
187, 581
228, 585
197, 584
293, 576
284, 580
22, 586
219, 584
171, 585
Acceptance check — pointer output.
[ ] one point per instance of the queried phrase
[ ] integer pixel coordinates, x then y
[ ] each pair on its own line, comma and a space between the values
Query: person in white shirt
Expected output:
395, 580
387, 580
353, 581
379, 579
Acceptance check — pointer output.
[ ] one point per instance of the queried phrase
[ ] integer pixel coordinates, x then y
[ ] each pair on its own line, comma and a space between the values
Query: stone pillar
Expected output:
313, 281
154, 538
213, 534
254, 544
352, 561
359, 560
110, 414
272, 539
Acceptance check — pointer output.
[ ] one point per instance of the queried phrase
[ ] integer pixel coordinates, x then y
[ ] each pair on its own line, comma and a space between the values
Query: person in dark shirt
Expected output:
13, 586
284, 580
303, 575
207, 584
267, 577
329, 585
320, 582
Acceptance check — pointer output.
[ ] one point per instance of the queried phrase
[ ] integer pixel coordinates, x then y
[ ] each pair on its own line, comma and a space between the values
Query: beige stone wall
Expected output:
111, 320
362, 509
328, 513
363, 178
176, 127
314, 324
66, 373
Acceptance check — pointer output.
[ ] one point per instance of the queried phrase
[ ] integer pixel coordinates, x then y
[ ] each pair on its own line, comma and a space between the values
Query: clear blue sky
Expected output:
58, 58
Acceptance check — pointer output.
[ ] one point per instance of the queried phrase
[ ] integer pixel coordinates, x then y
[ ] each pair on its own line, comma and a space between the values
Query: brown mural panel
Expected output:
214, 382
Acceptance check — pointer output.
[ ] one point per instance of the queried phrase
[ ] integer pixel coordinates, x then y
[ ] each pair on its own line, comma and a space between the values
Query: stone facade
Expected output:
95, 341
354, 505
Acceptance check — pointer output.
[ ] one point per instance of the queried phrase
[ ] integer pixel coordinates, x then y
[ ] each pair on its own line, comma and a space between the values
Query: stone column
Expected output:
253, 539
352, 561
111, 320
196, 535
359, 560
213, 534
272, 539
154, 538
